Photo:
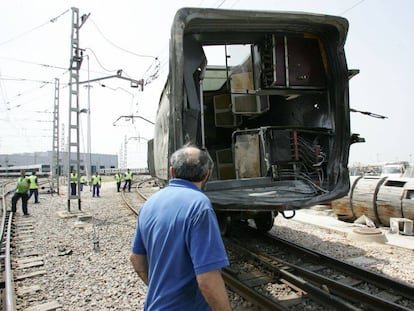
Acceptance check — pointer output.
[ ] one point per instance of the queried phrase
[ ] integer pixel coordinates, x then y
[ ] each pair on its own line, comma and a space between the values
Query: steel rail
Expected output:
10, 302
337, 291
144, 197
398, 287
317, 294
250, 294
347, 292
140, 184
6, 230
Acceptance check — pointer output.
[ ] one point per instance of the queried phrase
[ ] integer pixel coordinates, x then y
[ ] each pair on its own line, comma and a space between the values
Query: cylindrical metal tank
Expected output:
389, 200
364, 197
378, 198
407, 202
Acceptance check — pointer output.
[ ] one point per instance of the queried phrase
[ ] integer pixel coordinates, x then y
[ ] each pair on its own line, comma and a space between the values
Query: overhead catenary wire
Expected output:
23, 94
351, 7
42, 82
117, 70
158, 67
3, 91
117, 46
221, 3
99, 62
152, 72
11, 104
52, 20
66, 70
32, 63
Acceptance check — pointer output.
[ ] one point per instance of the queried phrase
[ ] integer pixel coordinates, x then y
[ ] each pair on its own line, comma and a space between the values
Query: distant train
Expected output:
266, 93
11, 171
113, 171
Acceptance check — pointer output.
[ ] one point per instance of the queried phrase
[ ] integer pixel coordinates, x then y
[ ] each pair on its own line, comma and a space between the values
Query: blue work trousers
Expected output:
15, 198
127, 182
34, 192
95, 190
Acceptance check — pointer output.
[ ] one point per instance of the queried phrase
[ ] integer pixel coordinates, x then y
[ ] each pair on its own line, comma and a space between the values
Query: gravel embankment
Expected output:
82, 277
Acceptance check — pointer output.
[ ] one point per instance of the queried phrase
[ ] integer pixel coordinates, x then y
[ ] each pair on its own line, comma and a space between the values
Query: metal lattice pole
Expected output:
73, 144
55, 145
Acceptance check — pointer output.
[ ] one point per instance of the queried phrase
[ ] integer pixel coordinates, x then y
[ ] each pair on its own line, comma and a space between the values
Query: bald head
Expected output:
190, 163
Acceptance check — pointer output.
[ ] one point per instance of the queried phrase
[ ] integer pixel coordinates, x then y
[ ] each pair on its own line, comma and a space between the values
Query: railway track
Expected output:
144, 188
23, 266
275, 274
7, 290
283, 276
270, 274
19, 260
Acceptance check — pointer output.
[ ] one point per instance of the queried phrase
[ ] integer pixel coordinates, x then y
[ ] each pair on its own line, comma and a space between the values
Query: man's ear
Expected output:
172, 174
206, 176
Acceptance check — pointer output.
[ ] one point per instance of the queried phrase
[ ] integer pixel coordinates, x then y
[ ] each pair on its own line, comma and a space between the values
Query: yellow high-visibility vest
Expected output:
73, 178
22, 185
96, 180
33, 182
118, 177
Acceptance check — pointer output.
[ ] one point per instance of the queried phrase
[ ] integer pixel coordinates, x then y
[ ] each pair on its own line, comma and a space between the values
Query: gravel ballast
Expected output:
87, 258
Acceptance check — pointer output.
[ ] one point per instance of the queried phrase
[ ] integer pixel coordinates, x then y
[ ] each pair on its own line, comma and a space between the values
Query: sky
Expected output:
132, 36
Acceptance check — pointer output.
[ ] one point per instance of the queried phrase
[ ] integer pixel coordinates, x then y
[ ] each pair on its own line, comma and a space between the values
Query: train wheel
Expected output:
224, 224
264, 221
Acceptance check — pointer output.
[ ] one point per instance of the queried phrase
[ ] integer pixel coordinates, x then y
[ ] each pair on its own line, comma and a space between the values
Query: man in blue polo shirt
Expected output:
177, 249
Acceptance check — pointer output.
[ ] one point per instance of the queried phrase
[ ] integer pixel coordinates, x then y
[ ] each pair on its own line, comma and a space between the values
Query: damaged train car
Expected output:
266, 93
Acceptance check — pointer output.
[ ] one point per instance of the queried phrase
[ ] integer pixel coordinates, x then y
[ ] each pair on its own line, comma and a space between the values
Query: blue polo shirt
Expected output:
178, 231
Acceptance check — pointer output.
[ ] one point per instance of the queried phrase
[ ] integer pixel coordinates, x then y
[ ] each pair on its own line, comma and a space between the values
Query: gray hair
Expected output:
191, 163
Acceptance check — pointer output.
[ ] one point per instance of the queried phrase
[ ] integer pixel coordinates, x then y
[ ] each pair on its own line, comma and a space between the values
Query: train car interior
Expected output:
269, 116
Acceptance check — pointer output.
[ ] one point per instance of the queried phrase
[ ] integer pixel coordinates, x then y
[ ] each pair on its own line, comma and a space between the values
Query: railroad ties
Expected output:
275, 274
28, 263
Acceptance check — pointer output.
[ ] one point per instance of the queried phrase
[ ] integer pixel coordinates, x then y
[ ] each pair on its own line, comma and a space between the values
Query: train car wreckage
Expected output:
266, 93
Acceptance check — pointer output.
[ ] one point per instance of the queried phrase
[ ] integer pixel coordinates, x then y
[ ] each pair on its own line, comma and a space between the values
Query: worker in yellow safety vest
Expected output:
118, 179
83, 182
73, 182
34, 187
96, 183
128, 180
22, 190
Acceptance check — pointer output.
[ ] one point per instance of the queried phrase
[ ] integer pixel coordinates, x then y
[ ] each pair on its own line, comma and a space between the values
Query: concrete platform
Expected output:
324, 217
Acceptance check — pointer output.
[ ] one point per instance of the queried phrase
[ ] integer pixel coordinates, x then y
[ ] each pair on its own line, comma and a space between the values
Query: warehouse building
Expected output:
98, 161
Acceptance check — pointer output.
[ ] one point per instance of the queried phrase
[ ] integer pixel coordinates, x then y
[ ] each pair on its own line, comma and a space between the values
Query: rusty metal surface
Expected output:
342, 208
386, 211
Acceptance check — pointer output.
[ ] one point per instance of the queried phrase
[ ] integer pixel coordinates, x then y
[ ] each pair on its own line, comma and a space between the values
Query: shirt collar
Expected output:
177, 182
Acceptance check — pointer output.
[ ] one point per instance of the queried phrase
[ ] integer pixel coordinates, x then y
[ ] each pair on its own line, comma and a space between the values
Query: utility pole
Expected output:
62, 139
88, 143
55, 146
126, 152
121, 157
74, 67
